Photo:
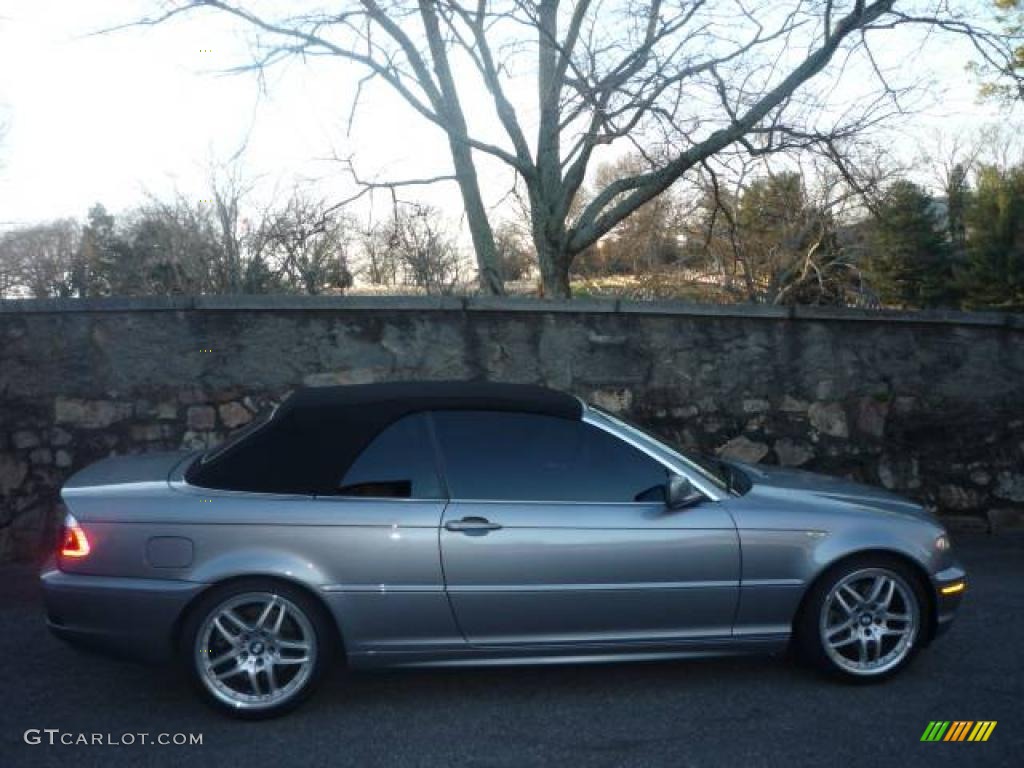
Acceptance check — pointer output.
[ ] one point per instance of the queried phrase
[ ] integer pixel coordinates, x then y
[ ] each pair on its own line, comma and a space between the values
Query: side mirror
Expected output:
679, 493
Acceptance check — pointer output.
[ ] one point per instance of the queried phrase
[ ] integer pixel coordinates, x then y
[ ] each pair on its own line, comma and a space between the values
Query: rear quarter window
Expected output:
398, 463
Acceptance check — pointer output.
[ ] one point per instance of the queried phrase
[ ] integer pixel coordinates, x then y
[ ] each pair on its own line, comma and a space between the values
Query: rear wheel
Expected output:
256, 648
864, 619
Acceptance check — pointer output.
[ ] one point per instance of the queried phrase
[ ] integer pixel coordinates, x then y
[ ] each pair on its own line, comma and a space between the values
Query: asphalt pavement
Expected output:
703, 712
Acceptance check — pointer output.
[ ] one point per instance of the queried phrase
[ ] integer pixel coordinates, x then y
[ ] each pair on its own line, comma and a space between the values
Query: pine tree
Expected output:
909, 261
995, 242
108, 264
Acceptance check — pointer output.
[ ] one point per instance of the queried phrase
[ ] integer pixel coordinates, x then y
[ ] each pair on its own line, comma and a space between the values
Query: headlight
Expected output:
942, 543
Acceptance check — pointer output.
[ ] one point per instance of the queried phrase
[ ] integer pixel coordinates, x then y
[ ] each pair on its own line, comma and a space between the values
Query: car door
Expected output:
557, 532
386, 584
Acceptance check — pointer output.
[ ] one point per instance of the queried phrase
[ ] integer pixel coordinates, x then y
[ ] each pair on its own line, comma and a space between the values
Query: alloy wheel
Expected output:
255, 650
869, 621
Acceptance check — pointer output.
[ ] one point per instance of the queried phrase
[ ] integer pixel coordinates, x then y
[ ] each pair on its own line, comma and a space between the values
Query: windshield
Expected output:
714, 470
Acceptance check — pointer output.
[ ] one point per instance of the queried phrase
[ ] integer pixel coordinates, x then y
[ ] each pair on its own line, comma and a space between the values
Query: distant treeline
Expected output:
787, 237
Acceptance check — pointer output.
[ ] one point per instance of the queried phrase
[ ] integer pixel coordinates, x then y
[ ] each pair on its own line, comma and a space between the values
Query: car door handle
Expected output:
472, 525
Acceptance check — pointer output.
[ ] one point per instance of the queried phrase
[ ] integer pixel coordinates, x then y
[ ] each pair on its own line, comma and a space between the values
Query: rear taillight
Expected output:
73, 541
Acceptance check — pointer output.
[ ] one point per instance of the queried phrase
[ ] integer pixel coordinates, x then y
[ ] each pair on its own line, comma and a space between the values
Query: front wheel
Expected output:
257, 648
864, 620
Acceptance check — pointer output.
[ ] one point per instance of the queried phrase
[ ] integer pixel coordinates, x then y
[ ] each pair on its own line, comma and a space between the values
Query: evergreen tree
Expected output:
957, 192
995, 243
909, 257
108, 266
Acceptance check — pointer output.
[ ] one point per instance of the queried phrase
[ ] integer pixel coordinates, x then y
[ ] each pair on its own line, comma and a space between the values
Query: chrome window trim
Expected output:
558, 501
376, 499
594, 419
184, 486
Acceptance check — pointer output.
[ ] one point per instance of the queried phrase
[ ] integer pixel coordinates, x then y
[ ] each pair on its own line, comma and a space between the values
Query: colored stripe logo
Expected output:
958, 730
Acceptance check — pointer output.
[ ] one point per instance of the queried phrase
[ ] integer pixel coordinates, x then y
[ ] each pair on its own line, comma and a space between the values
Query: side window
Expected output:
529, 457
619, 471
399, 463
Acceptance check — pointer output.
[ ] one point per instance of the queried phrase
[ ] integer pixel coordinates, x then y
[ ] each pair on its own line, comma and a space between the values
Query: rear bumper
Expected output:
947, 601
129, 618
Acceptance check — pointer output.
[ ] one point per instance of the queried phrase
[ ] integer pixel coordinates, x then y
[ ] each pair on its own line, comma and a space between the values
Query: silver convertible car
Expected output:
452, 523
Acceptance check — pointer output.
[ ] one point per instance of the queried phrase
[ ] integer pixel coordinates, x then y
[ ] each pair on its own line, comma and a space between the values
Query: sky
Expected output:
113, 118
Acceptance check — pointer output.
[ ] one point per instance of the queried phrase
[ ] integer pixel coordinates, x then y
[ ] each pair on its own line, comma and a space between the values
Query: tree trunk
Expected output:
450, 107
546, 191
554, 271
491, 281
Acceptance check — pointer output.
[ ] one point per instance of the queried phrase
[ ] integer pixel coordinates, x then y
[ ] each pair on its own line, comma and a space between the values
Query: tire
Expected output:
257, 648
863, 620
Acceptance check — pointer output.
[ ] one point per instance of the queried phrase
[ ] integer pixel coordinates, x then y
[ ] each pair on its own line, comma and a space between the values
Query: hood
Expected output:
826, 488
124, 470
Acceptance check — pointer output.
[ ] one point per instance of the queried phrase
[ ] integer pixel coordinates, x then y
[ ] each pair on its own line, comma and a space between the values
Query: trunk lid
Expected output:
124, 471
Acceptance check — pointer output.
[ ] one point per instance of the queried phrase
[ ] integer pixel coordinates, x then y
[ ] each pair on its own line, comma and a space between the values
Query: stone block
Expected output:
793, 405
829, 418
871, 416
234, 415
24, 439
201, 418
614, 400
1010, 485
744, 449
59, 436
41, 456
12, 473
90, 414
792, 453
958, 498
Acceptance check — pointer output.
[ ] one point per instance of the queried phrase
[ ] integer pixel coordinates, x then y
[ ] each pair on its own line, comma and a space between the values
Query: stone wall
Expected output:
927, 404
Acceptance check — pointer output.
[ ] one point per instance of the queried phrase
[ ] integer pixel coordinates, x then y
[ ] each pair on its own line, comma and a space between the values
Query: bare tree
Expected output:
952, 158
426, 252
10, 279
40, 260
380, 261
309, 243
229, 188
785, 232
700, 77
643, 242
515, 252
169, 246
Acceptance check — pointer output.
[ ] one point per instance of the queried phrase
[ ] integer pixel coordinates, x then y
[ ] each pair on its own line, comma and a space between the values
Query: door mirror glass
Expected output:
679, 493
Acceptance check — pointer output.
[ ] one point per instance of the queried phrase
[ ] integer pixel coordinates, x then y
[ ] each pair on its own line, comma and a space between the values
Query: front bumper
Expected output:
134, 618
948, 595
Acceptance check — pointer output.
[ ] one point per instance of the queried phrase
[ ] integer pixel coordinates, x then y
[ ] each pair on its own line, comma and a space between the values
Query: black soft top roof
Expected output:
316, 434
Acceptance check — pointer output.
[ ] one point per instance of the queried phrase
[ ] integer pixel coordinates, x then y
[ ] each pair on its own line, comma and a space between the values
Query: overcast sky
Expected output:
111, 118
